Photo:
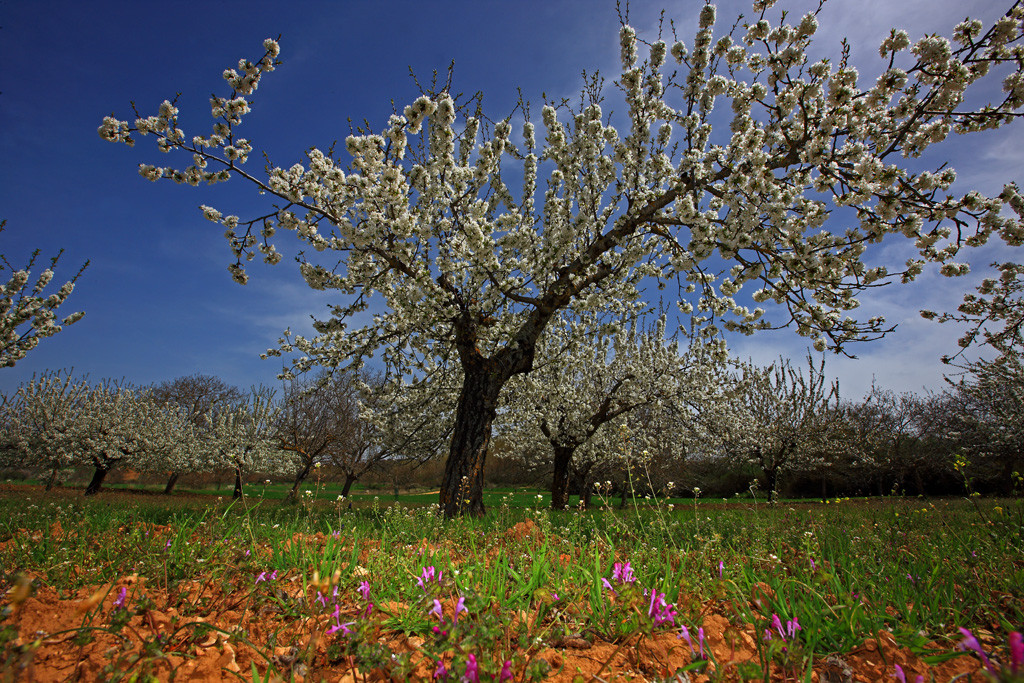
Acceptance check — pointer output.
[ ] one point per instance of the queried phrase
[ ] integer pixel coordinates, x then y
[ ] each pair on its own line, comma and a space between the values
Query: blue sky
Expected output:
158, 298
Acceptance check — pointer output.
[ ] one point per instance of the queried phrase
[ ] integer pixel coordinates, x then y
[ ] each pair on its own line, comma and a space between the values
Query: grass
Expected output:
844, 571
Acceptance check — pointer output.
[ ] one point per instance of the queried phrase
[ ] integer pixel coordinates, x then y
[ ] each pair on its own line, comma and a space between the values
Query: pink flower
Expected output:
684, 633
438, 610
623, 573
700, 641
721, 568
506, 671
262, 577
777, 625
364, 590
460, 606
122, 598
441, 671
1016, 653
902, 677
472, 674
970, 642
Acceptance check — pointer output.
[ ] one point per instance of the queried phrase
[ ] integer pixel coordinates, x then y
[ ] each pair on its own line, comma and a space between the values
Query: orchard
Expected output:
527, 357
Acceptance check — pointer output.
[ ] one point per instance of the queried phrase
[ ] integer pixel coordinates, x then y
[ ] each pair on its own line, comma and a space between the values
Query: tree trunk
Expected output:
293, 494
462, 489
52, 479
560, 482
238, 484
351, 479
772, 474
171, 482
97, 481
585, 496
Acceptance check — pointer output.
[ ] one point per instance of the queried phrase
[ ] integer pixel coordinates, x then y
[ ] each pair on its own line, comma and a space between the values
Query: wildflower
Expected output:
970, 642
607, 585
364, 590
122, 598
700, 641
262, 577
472, 674
1016, 652
659, 610
684, 633
441, 671
623, 573
506, 671
901, 676
438, 610
460, 606
721, 568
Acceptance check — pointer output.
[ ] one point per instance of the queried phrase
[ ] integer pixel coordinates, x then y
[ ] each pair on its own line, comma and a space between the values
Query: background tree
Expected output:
577, 389
420, 220
243, 439
41, 422
198, 395
26, 316
317, 412
122, 426
791, 423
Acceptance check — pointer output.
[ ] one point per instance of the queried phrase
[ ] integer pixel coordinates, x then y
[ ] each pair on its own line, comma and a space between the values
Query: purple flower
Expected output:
460, 606
623, 573
1016, 653
472, 674
554, 596
364, 590
273, 575
721, 568
812, 564
320, 599
438, 610
262, 577
607, 585
792, 626
441, 671
122, 598
684, 633
970, 642
700, 641
777, 625
901, 676
506, 671
429, 574
659, 610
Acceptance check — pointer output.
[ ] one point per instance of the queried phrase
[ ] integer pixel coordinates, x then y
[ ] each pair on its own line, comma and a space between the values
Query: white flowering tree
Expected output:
41, 422
26, 314
122, 426
418, 220
579, 388
792, 420
198, 395
243, 439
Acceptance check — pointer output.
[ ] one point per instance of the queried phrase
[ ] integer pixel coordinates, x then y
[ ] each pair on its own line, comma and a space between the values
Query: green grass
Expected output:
845, 570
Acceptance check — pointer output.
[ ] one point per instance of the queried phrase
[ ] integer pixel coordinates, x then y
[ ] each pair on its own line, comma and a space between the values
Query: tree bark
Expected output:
171, 482
463, 484
52, 479
238, 484
560, 481
97, 481
293, 494
349, 480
